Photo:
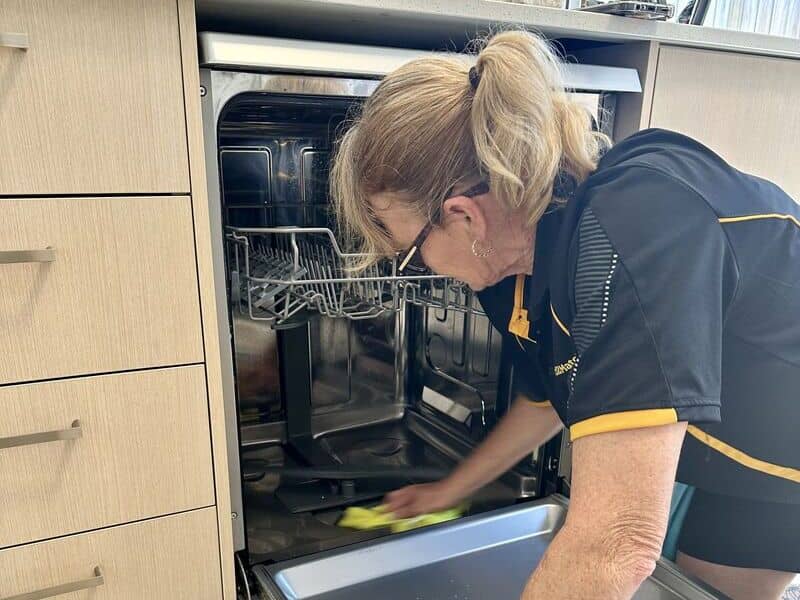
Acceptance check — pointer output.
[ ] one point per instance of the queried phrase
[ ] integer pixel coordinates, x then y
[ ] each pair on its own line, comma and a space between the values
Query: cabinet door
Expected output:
95, 104
171, 558
79, 454
117, 290
744, 107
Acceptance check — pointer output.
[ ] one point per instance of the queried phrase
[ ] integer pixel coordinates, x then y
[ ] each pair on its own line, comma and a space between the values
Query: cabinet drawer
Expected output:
95, 104
120, 294
127, 446
171, 558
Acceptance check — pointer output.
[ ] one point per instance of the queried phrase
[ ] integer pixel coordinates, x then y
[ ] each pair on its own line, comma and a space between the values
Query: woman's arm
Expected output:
526, 426
617, 519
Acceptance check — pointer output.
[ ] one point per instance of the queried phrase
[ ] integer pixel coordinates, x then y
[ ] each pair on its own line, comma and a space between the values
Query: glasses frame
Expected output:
412, 261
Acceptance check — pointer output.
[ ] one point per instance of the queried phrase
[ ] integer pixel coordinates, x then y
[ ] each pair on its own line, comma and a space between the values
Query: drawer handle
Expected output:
64, 588
73, 433
10, 257
14, 40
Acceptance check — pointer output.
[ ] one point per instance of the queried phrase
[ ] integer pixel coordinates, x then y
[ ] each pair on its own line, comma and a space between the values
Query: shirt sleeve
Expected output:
653, 277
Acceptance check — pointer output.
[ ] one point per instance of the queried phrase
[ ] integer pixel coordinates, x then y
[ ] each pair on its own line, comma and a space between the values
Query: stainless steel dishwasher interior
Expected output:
274, 150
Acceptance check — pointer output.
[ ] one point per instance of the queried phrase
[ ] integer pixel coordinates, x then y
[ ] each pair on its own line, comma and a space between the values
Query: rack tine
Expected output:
321, 275
319, 259
361, 289
379, 286
325, 274
374, 293
333, 270
310, 289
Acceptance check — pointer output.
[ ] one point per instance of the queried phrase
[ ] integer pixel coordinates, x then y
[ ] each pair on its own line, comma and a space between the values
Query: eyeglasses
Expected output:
413, 262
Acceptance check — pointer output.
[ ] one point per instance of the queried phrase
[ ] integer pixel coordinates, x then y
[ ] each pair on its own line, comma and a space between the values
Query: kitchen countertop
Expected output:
425, 23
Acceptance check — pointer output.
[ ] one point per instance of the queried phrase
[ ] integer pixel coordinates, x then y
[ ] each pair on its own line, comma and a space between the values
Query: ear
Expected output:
469, 211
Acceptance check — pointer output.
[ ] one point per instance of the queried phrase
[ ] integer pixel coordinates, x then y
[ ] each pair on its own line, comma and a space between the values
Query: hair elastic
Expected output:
474, 77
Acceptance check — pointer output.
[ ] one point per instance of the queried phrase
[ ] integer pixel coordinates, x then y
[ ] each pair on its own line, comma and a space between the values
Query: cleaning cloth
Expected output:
356, 517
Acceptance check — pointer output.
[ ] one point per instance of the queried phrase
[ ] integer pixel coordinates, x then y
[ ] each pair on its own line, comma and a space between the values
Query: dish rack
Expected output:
278, 272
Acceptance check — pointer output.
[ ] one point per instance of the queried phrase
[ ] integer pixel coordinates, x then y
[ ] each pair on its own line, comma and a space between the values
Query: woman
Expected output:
653, 307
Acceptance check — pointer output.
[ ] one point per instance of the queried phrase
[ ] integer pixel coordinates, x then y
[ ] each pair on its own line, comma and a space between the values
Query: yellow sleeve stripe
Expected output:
758, 217
631, 419
557, 320
744, 459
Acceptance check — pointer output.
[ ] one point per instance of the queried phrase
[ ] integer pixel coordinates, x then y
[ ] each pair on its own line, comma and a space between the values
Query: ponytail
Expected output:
525, 127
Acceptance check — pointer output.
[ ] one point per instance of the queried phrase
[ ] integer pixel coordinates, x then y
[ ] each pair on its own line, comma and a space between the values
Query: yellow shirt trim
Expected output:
744, 459
758, 217
519, 324
544, 404
536, 403
557, 320
631, 419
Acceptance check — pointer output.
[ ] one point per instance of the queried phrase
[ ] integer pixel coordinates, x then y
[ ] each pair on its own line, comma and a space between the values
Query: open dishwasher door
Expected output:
485, 557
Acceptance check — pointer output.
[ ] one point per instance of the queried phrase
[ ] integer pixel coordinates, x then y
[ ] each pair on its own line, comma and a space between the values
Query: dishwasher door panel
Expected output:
486, 557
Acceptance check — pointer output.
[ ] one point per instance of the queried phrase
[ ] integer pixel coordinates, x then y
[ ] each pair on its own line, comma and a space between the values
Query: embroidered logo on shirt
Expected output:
565, 367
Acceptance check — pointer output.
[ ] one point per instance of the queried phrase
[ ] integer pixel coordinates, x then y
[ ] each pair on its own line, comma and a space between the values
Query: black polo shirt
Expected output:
668, 289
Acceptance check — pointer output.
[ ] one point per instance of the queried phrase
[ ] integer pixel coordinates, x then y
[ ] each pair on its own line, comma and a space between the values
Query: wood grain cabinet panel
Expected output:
120, 294
171, 558
744, 107
95, 104
133, 446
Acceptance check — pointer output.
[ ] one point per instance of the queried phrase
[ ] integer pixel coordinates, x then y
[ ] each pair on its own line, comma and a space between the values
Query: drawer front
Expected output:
171, 558
79, 454
120, 294
95, 104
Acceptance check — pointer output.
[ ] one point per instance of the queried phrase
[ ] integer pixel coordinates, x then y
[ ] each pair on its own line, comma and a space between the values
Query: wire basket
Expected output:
277, 272
442, 294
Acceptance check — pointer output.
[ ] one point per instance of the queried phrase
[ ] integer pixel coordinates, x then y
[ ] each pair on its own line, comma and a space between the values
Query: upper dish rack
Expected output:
276, 272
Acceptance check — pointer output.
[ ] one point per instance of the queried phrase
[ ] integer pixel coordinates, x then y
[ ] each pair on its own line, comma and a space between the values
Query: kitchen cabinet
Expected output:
116, 290
744, 107
83, 453
94, 105
171, 558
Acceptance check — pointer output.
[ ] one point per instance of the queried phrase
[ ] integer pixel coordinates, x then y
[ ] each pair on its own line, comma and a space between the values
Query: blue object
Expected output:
681, 498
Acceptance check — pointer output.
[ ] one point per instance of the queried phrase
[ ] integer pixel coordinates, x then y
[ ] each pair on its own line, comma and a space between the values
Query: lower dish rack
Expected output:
277, 272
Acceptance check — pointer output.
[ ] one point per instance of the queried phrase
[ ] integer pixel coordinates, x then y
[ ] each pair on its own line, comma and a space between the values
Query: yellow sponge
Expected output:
356, 517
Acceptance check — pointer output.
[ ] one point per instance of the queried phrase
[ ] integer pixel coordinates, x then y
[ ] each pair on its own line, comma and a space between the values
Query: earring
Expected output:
481, 252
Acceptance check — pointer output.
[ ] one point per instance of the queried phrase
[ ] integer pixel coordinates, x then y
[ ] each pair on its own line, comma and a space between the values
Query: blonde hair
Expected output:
425, 129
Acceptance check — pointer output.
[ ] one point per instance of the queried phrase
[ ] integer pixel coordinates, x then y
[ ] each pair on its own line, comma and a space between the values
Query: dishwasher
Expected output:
338, 387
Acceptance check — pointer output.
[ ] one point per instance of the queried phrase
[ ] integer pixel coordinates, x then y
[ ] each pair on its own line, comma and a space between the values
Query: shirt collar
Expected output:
546, 235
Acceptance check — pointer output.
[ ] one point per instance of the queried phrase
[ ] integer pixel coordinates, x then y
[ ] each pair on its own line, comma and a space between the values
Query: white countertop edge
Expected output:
450, 15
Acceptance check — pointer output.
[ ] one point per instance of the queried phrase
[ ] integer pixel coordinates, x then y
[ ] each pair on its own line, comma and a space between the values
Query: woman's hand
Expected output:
525, 427
415, 500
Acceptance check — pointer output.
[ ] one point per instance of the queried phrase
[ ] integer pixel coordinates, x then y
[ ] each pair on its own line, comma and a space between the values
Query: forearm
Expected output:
524, 428
619, 508
577, 566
